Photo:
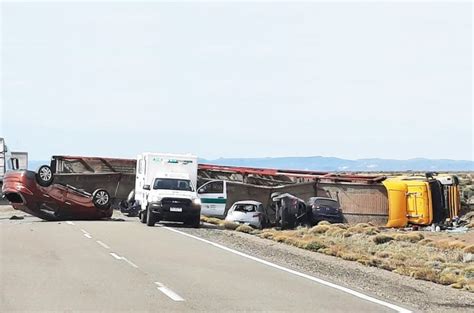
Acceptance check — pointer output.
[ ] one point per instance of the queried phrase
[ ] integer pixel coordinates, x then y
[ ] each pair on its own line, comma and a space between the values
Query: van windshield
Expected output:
173, 184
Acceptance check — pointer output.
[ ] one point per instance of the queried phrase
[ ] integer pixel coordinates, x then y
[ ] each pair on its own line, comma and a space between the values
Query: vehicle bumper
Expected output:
163, 212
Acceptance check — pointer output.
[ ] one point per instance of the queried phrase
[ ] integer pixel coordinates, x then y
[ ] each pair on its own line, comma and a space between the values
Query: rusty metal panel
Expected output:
358, 198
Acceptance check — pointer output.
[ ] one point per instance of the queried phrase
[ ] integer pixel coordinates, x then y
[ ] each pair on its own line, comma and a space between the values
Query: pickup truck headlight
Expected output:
197, 201
154, 199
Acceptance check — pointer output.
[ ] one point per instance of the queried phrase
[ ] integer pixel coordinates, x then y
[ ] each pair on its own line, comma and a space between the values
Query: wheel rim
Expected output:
45, 174
102, 198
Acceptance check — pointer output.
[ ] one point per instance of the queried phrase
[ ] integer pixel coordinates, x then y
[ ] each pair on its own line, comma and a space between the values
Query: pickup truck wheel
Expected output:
44, 176
101, 199
195, 222
143, 217
150, 218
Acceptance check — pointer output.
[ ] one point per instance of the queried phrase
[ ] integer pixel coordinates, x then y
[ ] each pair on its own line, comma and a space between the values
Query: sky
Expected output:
248, 79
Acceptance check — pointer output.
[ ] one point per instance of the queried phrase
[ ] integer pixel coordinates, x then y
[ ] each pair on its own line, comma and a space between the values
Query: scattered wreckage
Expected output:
391, 201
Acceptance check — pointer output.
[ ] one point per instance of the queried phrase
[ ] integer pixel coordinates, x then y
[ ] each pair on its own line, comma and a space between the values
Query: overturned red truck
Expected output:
77, 182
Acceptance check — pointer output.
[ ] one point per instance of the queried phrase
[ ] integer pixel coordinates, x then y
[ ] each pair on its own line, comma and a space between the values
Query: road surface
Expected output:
126, 266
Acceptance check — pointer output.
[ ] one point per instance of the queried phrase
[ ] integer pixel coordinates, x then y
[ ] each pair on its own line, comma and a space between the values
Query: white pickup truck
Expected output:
165, 187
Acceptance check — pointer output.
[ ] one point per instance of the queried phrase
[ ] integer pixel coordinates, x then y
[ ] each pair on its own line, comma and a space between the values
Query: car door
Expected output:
213, 198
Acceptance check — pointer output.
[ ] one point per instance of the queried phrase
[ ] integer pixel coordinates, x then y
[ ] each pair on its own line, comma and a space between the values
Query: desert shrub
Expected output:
230, 225
468, 272
266, 235
350, 256
211, 220
384, 254
425, 241
468, 249
382, 238
324, 223
424, 274
340, 225
362, 225
409, 237
319, 229
314, 245
244, 228
335, 232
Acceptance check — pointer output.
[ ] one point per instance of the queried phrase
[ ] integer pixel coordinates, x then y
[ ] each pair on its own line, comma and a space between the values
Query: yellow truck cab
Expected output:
421, 200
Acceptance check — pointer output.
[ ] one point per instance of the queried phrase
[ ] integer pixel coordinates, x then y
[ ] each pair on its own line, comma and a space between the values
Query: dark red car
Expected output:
36, 194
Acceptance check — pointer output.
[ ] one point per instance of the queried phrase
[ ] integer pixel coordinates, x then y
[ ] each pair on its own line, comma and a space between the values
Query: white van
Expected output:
165, 187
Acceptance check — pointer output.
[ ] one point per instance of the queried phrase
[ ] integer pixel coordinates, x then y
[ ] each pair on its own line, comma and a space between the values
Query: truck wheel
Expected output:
143, 217
101, 199
195, 222
150, 218
44, 176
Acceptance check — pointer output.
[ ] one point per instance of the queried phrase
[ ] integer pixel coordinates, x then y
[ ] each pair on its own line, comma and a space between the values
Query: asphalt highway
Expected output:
110, 266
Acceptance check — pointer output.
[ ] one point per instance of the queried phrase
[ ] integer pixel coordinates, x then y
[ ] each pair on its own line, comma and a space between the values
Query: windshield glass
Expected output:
327, 203
173, 184
245, 208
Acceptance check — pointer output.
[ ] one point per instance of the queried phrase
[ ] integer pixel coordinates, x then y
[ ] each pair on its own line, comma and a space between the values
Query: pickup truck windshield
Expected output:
173, 184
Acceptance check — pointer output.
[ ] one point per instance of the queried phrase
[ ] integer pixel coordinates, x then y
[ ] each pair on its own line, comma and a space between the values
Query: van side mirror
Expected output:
146, 187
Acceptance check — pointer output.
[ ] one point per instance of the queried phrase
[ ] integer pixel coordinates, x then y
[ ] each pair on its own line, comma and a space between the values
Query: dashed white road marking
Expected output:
88, 236
102, 244
130, 262
84, 231
317, 280
170, 293
115, 256
70, 223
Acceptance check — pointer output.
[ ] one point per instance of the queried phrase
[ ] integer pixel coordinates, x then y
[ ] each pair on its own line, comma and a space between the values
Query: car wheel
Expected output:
101, 199
150, 218
44, 176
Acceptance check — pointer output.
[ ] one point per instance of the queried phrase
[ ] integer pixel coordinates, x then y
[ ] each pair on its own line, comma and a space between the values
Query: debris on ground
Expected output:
16, 217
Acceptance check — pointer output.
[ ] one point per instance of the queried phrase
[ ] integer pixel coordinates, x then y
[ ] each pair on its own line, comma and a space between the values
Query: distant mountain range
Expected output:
331, 164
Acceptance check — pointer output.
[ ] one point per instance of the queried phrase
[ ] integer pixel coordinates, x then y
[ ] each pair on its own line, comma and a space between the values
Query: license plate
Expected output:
172, 209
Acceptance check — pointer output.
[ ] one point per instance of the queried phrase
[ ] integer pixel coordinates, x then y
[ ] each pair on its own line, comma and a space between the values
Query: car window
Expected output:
213, 187
245, 208
327, 203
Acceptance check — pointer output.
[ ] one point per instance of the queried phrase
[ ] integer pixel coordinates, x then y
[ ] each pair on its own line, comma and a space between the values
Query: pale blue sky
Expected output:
238, 79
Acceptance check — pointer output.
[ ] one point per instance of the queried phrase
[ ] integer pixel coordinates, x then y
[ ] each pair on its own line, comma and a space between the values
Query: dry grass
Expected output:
382, 238
319, 229
244, 228
409, 237
469, 249
230, 225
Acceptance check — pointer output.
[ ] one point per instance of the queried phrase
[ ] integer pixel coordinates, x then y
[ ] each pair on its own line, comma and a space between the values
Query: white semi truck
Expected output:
11, 160
165, 188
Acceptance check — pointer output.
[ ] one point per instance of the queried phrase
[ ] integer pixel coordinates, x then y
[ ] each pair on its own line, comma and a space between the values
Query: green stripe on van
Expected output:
212, 200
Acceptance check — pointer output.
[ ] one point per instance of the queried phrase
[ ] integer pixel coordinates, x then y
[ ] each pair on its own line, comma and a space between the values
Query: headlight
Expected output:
154, 199
197, 201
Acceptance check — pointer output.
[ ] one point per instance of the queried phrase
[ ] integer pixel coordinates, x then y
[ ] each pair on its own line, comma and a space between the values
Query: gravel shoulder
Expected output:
418, 295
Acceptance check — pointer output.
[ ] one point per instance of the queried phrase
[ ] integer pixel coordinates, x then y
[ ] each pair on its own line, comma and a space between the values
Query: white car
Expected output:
248, 212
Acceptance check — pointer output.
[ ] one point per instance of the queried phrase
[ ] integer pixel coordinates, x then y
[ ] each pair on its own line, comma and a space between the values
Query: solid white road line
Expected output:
130, 262
70, 223
317, 280
115, 256
170, 293
88, 236
102, 244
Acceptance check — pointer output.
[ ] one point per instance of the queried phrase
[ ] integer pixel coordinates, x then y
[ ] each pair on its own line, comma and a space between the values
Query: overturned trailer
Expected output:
394, 202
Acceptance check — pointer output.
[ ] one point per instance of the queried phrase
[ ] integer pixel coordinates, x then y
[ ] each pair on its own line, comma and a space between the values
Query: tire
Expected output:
143, 217
195, 222
131, 196
101, 199
44, 176
150, 218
